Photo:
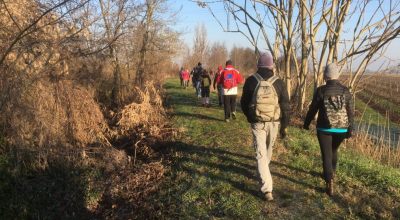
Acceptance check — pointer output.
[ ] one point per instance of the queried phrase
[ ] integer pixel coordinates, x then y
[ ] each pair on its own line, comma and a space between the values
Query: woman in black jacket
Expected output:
335, 120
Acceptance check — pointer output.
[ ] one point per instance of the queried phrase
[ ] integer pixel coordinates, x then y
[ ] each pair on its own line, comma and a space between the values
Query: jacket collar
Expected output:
265, 72
229, 67
333, 81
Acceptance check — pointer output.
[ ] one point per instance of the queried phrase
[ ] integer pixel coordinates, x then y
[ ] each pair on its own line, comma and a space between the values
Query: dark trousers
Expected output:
205, 92
181, 82
229, 105
220, 98
329, 143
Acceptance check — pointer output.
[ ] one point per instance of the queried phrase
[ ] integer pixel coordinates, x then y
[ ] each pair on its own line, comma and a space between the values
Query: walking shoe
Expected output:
329, 187
208, 106
267, 196
234, 115
227, 120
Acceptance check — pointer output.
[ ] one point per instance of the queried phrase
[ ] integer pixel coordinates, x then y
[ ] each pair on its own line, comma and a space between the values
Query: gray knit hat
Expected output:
265, 61
331, 72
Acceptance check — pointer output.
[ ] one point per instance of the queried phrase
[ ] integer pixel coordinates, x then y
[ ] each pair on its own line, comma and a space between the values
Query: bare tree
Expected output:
156, 36
218, 55
370, 40
200, 41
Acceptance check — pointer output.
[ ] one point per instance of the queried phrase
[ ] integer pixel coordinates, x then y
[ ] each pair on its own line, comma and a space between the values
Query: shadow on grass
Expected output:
56, 193
224, 166
199, 116
311, 172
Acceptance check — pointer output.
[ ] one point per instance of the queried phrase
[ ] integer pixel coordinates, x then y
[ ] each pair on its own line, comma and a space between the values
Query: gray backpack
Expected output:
264, 106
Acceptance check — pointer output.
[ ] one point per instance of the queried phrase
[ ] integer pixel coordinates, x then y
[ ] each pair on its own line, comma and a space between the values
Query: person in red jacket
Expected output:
229, 78
186, 78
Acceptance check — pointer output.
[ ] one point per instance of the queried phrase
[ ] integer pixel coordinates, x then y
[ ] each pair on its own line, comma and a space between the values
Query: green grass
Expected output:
213, 173
371, 116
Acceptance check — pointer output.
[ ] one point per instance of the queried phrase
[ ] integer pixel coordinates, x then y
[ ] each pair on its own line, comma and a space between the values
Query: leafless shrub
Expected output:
145, 112
55, 114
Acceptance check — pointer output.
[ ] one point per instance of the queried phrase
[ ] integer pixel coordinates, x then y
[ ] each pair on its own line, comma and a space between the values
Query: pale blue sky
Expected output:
191, 14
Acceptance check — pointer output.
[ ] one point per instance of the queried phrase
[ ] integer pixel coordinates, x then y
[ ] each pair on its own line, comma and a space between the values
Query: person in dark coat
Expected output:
219, 86
265, 132
205, 88
330, 138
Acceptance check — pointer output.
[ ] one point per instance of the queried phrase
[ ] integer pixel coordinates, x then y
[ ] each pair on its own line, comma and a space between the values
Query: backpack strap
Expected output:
258, 77
272, 79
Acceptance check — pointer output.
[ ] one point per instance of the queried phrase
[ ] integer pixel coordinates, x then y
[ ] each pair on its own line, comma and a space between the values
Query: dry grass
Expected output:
145, 113
55, 115
379, 151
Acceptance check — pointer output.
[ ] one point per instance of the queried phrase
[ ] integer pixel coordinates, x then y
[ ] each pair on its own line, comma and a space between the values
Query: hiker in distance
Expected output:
186, 78
180, 75
205, 89
265, 103
197, 78
219, 86
334, 123
229, 78
193, 81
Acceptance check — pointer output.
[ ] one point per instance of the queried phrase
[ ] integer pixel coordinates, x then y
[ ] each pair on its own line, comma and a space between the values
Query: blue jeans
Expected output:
198, 88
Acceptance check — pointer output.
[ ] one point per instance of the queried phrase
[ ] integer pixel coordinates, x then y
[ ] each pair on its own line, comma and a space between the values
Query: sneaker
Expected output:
267, 196
227, 120
208, 106
234, 115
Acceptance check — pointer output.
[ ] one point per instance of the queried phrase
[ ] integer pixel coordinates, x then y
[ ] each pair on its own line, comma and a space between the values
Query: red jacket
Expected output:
235, 74
185, 75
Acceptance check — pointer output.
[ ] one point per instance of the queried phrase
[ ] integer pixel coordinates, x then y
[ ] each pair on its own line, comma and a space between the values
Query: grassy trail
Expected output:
213, 172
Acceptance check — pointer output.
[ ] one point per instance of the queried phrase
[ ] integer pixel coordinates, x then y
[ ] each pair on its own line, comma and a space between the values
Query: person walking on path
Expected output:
186, 78
205, 88
192, 73
219, 86
334, 123
229, 78
197, 78
180, 75
265, 103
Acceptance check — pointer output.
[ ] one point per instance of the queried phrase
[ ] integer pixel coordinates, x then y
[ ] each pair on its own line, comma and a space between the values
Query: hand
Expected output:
306, 127
349, 133
283, 133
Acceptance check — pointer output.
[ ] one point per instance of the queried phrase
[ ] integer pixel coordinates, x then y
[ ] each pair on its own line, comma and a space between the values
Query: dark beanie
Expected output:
265, 61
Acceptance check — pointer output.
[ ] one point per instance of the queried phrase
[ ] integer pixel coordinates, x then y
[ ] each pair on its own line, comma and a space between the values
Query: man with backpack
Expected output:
197, 78
229, 78
334, 123
219, 86
265, 103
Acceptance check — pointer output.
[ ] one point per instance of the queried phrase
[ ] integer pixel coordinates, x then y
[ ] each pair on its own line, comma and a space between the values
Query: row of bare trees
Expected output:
310, 34
214, 54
